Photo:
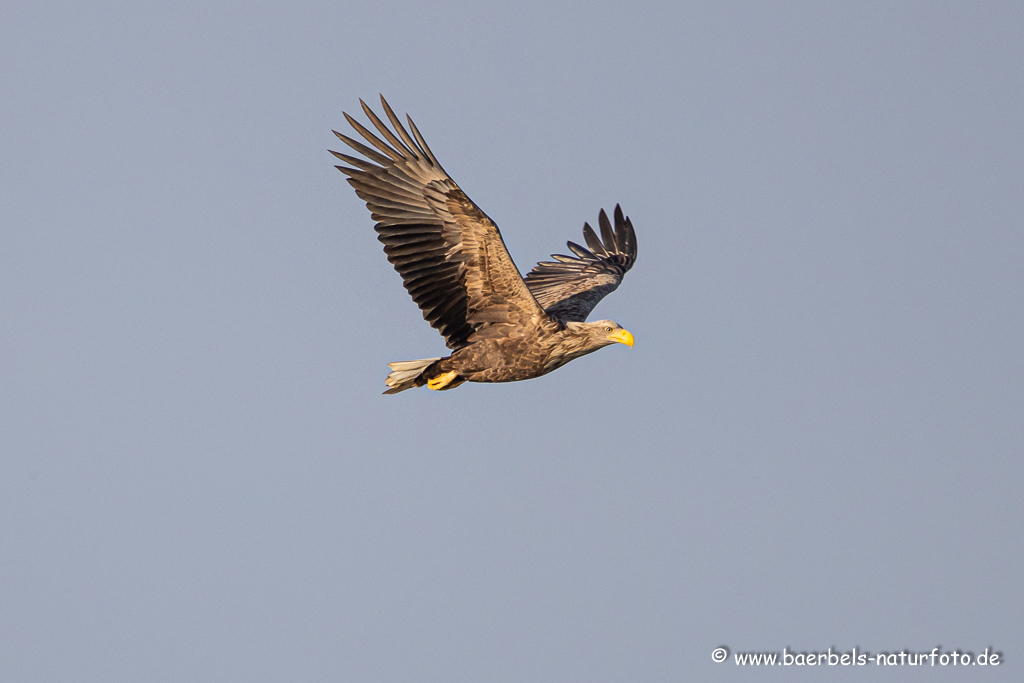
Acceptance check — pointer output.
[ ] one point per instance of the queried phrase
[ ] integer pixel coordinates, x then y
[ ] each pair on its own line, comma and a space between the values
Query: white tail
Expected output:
404, 374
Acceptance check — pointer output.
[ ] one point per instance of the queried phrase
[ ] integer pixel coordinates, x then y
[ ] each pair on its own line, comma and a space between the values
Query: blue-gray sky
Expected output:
816, 441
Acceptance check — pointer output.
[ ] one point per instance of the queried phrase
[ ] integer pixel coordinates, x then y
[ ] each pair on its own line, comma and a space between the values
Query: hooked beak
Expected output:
622, 336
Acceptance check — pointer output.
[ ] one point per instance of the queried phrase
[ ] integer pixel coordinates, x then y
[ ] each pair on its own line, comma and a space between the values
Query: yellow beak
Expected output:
622, 336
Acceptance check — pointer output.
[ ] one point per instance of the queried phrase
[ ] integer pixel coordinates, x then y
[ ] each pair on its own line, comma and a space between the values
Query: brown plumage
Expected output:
500, 327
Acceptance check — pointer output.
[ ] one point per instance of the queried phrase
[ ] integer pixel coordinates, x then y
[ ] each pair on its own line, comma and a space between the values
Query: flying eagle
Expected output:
499, 326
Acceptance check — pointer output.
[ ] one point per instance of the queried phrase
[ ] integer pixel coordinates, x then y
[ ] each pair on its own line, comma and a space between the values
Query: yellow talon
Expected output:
442, 381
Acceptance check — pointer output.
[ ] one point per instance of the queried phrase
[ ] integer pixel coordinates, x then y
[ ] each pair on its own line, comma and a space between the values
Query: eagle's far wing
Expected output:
450, 255
571, 286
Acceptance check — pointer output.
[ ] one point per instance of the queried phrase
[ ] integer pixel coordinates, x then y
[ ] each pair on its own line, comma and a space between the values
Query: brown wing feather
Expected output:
450, 255
570, 287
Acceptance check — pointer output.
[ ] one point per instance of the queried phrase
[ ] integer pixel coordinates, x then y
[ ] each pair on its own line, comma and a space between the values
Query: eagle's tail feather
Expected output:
406, 374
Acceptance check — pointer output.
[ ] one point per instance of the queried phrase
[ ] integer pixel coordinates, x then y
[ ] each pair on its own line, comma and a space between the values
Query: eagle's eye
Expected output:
608, 328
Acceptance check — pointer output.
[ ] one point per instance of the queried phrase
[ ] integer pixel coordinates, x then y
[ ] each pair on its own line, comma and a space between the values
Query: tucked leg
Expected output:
443, 380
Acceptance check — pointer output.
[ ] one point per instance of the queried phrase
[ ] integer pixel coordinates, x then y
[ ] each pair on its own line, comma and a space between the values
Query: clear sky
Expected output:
816, 441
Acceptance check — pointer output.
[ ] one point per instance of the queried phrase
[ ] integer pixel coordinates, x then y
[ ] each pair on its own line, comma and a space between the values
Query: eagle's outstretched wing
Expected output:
449, 253
571, 286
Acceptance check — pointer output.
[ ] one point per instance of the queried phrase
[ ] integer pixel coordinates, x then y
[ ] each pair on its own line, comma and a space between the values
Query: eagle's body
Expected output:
500, 326
510, 359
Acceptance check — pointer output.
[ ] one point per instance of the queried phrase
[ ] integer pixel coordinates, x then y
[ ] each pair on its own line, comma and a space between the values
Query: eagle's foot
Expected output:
445, 380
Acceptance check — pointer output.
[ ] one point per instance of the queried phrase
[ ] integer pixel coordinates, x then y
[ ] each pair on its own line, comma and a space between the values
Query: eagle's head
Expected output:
597, 334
